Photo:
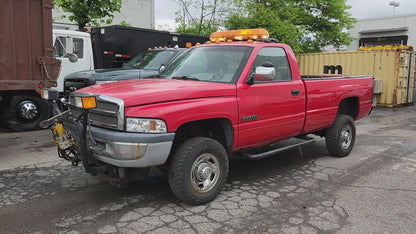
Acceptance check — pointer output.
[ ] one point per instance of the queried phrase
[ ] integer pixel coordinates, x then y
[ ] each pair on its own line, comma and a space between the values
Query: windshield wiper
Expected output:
137, 66
154, 77
184, 78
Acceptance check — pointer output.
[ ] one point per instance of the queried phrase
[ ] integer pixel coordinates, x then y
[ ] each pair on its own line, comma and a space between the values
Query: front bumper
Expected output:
124, 149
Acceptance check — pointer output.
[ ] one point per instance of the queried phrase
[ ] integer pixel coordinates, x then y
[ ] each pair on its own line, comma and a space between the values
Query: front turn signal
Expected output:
89, 102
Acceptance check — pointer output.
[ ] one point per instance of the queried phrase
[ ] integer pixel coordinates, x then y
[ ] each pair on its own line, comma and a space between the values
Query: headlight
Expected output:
78, 102
44, 93
49, 94
146, 125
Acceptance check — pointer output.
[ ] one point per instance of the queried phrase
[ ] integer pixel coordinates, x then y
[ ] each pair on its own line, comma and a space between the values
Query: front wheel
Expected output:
198, 170
340, 137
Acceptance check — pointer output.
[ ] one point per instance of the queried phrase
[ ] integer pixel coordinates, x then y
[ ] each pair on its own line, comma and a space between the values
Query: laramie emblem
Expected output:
248, 118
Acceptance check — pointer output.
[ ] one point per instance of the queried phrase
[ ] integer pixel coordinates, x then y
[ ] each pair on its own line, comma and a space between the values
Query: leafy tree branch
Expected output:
84, 12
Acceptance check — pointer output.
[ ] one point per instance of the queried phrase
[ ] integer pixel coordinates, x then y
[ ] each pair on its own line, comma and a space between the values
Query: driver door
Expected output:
270, 109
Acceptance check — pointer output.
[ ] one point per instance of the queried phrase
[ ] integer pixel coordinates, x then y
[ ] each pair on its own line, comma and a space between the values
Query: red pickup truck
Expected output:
241, 91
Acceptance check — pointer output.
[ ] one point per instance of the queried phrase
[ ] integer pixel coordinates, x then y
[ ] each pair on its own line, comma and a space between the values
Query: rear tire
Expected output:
28, 111
340, 137
198, 170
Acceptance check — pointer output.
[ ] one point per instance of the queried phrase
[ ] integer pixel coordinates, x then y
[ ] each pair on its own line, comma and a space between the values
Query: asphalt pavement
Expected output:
373, 190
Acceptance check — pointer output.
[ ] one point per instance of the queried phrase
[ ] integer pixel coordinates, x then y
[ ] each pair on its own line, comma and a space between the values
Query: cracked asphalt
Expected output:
373, 190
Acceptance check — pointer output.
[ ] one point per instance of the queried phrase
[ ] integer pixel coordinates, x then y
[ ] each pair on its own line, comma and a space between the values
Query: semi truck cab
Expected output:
74, 50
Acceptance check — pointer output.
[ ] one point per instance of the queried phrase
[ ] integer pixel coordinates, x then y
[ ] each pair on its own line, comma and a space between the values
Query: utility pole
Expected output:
394, 4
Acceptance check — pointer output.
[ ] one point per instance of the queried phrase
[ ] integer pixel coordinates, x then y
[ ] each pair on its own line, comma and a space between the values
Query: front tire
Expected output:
340, 137
198, 170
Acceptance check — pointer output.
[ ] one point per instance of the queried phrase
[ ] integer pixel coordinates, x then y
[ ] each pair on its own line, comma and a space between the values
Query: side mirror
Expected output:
265, 73
73, 58
162, 68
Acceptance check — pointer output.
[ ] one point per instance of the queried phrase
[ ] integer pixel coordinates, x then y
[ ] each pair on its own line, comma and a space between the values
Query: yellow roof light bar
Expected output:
239, 35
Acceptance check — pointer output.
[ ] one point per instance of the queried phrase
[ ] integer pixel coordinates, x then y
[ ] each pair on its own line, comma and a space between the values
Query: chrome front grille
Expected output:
109, 112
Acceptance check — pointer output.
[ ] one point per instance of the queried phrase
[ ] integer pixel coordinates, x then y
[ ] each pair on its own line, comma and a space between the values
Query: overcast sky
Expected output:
165, 9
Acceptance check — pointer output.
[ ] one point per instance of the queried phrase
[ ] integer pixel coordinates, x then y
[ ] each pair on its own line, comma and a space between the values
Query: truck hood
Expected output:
112, 74
146, 91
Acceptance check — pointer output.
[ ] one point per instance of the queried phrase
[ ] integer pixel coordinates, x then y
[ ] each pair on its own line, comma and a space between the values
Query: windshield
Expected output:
214, 63
151, 59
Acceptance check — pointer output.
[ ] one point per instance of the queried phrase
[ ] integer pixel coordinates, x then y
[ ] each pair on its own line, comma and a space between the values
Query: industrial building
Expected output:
394, 30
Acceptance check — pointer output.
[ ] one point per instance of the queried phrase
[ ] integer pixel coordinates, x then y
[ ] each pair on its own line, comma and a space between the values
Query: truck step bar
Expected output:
305, 140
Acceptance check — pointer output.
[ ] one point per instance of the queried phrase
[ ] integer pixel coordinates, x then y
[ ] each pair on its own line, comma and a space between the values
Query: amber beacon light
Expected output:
239, 35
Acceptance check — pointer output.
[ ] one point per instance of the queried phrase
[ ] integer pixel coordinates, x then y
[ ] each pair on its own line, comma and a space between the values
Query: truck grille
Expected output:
109, 112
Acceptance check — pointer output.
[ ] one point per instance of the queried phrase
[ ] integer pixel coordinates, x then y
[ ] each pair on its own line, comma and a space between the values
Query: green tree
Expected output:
306, 25
84, 12
201, 17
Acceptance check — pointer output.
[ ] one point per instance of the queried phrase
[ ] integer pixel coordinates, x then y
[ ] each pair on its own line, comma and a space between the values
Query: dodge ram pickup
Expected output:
238, 92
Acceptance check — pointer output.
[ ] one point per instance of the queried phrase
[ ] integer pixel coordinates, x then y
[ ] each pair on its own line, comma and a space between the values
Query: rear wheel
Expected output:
29, 112
340, 137
198, 170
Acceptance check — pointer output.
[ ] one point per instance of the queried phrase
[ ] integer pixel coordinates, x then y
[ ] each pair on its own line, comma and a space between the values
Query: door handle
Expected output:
295, 92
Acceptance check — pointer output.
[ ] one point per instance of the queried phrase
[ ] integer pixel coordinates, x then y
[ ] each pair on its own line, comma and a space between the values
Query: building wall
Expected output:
395, 26
138, 13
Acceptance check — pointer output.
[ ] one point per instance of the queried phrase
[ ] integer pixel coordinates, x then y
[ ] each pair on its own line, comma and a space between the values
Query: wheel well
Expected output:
219, 129
12, 93
349, 106
6, 97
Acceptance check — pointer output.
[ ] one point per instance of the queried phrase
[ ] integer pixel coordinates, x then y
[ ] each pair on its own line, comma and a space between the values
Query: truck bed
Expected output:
324, 96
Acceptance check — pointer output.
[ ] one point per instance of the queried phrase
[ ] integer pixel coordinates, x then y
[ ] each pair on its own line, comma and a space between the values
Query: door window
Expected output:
77, 47
274, 62
59, 46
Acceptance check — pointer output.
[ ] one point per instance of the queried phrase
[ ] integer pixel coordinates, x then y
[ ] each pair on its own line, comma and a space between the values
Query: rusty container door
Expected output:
396, 69
26, 45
